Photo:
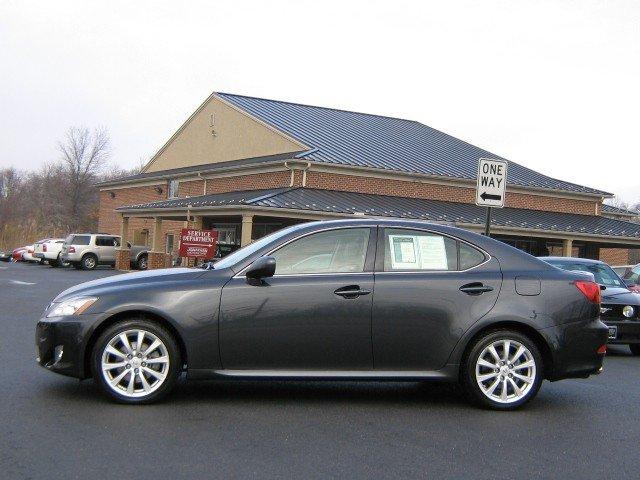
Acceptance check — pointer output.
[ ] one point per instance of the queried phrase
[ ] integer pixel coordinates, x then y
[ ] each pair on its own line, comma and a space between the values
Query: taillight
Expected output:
44, 247
71, 250
602, 350
591, 290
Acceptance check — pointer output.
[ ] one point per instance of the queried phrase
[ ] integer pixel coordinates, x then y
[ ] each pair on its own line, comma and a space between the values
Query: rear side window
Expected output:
414, 250
106, 242
411, 250
470, 257
80, 240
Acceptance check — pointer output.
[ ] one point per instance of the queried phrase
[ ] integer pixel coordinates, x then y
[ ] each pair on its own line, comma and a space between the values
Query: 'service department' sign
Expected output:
198, 243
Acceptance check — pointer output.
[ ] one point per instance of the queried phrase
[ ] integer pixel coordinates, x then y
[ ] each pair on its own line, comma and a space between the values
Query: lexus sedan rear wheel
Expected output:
136, 361
503, 370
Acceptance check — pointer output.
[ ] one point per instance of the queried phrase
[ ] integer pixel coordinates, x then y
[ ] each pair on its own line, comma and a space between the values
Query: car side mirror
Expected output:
262, 268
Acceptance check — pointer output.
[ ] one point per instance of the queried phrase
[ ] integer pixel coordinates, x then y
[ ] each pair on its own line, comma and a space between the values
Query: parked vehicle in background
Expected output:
50, 251
139, 256
18, 253
27, 256
323, 300
631, 276
620, 308
5, 256
88, 250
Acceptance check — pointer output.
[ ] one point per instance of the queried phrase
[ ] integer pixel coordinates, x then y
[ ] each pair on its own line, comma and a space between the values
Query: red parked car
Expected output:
17, 254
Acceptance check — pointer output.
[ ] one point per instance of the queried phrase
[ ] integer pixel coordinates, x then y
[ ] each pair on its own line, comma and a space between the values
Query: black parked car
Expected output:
620, 308
357, 299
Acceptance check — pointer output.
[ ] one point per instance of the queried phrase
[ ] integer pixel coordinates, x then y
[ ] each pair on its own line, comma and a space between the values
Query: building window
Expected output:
169, 243
173, 188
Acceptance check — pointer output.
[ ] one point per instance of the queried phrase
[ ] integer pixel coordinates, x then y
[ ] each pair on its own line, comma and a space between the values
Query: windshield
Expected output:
603, 274
238, 255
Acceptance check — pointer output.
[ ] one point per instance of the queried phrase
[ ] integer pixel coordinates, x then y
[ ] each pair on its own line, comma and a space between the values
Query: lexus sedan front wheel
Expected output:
503, 370
136, 361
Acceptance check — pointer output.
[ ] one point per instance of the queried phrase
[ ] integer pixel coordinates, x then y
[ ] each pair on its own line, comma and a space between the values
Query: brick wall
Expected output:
401, 188
192, 188
615, 256
249, 182
110, 221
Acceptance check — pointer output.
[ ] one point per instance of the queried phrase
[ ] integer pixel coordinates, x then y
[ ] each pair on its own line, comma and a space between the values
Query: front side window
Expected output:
332, 251
408, 250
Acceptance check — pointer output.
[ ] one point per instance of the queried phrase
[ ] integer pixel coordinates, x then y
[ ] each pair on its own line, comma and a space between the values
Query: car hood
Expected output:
129, 280
619, 296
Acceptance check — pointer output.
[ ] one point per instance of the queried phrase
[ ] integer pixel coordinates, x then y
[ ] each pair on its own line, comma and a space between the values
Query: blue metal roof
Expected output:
359, 139
337, 202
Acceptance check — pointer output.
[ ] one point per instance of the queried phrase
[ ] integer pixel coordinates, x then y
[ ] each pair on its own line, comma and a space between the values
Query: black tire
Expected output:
172, 375
89, 262
55, 263
143, 262
471, 383
635, 349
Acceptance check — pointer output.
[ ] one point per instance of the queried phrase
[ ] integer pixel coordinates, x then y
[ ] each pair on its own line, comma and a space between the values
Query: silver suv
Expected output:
88, 250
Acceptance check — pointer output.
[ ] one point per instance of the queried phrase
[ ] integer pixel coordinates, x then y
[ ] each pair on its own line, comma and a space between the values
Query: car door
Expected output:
313, 314
105, 247
430, 288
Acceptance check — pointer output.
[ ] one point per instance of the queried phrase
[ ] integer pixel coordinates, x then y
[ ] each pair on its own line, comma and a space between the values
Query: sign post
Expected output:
198, 243
490, 189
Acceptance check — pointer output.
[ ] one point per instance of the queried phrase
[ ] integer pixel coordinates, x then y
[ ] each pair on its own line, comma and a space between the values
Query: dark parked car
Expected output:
357, 299
620, 309
5, 256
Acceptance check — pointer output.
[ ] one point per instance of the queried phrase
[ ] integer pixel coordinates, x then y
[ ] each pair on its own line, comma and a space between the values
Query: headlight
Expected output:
628, 311
73, 306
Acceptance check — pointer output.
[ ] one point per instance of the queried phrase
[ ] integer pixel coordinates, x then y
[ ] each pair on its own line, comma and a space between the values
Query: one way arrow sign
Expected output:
492, 180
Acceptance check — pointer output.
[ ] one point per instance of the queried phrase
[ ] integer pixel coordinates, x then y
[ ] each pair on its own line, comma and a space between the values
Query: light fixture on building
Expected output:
158, 190
112, 194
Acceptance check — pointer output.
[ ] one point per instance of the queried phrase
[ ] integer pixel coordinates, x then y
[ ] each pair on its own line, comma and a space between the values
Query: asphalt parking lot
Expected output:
57, 427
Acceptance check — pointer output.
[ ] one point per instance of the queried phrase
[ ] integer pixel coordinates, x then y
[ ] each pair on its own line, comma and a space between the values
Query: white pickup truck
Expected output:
50, 250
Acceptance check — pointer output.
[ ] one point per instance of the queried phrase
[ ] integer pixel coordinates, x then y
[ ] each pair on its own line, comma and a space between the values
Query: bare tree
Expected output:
84, 158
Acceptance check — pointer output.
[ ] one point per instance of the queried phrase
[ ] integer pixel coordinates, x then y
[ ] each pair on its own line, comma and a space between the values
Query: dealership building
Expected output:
249, 166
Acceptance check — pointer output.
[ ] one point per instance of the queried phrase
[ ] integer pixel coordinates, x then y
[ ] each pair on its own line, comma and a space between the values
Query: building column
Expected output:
123, 253
157, 257
567, 247
247, 227
197, 222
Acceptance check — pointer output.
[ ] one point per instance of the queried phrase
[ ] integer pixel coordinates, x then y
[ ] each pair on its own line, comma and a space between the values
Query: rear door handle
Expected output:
351, 291
475, 288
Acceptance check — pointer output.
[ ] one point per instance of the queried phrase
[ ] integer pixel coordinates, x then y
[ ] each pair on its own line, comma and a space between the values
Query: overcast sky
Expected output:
553, 85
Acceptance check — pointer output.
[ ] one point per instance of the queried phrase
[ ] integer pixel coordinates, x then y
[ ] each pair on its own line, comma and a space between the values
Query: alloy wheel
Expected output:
505, 371
135, 363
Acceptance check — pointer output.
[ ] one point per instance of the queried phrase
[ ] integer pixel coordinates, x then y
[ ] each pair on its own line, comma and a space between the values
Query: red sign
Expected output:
198, 243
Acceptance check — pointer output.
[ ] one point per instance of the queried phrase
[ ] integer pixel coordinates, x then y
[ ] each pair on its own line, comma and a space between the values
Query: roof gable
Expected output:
365, 140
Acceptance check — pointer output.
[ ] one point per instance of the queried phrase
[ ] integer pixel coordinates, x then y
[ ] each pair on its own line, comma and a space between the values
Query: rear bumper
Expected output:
628, 331
574, 347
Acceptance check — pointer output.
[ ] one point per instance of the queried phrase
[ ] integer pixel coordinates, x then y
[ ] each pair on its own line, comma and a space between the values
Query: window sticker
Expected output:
418, 252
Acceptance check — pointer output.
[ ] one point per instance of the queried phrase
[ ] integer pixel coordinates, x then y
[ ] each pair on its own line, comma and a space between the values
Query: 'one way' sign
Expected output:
492, 179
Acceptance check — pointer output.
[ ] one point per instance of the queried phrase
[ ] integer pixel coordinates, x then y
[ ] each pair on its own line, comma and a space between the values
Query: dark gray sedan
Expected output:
350, 299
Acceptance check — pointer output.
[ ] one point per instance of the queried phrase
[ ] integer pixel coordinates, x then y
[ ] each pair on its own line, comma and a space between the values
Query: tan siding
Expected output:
237, 136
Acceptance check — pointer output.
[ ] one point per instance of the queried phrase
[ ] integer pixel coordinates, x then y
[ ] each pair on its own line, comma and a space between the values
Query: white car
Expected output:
50, 250
27, 256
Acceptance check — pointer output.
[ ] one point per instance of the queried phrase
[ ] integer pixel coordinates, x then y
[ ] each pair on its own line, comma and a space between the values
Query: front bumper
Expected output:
628, 331
574, 348
61, 342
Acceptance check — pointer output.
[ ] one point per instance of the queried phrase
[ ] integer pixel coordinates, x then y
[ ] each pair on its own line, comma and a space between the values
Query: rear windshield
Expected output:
603, 274
78, 240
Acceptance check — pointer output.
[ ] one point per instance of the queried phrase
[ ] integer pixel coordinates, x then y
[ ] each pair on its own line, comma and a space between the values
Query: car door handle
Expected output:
475, 288
351, 291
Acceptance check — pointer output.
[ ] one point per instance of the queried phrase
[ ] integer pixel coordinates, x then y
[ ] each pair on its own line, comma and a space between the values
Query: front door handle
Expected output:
475, 288
351, 291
